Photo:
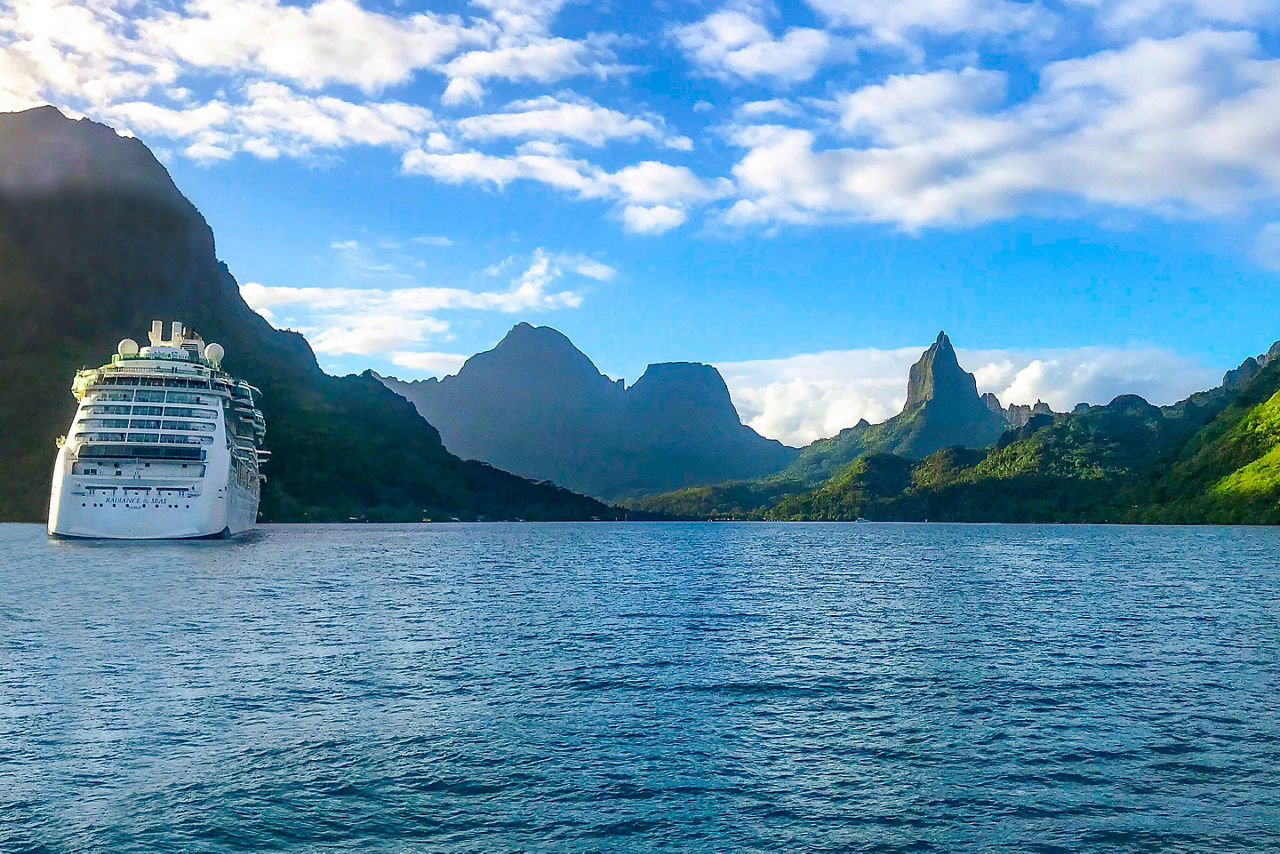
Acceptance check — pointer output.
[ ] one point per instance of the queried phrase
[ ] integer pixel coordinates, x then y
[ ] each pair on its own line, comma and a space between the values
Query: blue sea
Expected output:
642, 687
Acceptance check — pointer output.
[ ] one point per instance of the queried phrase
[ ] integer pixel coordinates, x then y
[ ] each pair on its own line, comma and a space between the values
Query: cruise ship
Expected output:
164, 445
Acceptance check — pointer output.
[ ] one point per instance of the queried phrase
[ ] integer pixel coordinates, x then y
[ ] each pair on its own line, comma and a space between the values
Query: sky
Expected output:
1085, 194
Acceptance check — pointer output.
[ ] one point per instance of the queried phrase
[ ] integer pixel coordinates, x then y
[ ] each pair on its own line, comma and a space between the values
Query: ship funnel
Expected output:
157, 332
176, 335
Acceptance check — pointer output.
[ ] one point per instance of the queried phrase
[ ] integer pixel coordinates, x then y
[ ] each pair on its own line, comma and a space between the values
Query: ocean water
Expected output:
612, 687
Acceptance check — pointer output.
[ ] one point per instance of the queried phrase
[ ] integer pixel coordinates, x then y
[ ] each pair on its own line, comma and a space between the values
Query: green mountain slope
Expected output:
95, 242
942, 409
1214, 457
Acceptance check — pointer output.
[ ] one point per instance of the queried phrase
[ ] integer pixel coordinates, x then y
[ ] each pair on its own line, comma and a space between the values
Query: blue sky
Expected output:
1085, 194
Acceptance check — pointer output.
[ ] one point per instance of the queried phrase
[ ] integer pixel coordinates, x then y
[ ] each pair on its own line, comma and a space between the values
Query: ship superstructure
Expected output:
164, 445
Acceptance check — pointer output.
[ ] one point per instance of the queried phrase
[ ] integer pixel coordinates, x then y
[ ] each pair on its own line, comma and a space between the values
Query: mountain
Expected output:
537, 406
95, 242
942, 409
1214, 457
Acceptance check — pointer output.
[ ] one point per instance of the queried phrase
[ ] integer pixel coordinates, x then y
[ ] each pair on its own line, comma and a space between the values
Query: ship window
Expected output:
108, 423
145, 424
101, 437
150, 396
109, 395
148, 410
144, 437
187, 412
187, 425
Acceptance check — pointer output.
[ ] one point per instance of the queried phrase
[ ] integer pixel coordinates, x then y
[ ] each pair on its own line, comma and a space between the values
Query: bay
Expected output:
589, 687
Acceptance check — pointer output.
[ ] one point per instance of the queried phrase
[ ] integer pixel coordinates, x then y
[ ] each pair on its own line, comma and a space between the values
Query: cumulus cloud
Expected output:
652, 220
1170, 17
18, 88
522, 16
553, 118
270, 120
1186, 126
650, 184
377, 320
326, 42
542, 60
1182, 125
735, 44
811, 396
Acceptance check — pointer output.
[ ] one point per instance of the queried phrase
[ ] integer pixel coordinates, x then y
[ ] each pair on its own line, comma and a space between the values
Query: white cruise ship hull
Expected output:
136, 508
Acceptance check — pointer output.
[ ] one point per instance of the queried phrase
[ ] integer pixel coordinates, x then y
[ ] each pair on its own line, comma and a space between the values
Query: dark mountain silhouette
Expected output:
537, 406
95, 242
943, 409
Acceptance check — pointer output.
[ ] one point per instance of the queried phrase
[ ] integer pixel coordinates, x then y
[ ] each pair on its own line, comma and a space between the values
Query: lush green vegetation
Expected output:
1214, 457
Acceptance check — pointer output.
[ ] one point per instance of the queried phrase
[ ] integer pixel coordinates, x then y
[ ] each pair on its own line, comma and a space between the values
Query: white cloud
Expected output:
542, 60
432, 240
18, 88
1267, 246
270, 120
475, 167
772, 107
735, 44
650, 184
907, 109
1063, 378
522, 16
589, 267
655, 183
365, 321
529, 291
372, 333
326, 42
900, 21
1182, 126
551, 118
652, 220
461, 90
811, 396
1171, 17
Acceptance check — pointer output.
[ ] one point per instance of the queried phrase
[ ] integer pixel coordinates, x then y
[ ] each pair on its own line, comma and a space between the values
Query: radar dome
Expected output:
127, 347
214, 353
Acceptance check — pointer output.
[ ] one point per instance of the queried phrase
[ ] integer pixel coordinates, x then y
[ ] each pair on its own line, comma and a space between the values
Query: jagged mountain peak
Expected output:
537, 353
938, 376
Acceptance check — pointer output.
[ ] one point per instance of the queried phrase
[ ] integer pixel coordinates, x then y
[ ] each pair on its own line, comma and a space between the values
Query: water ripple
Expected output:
643, 687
